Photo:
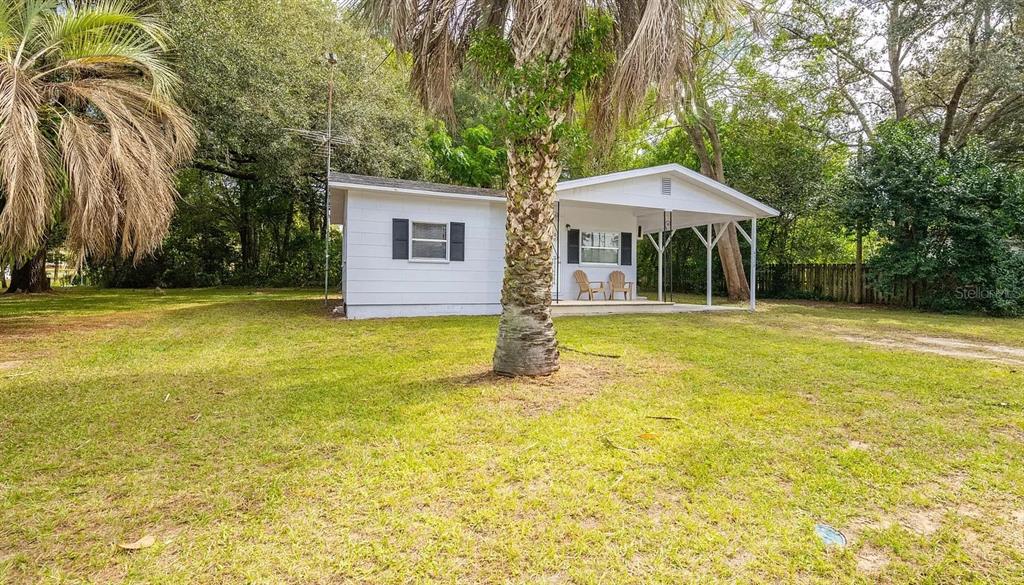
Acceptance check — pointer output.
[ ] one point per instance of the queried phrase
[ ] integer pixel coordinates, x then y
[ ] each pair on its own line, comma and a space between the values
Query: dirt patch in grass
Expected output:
574, 382
28, 328
871, 560
944, 346
10, 365
924, 522
859, 445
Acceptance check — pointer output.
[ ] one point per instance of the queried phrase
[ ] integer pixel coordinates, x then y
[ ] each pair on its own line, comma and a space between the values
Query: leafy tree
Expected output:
956, 65
540, 56
478, 161
90, 134
254, 78
951, 226
771, 146
705, 66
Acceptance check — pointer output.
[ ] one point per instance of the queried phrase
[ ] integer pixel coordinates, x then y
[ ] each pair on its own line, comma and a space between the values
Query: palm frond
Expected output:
98, 17
25, 166
8, 37
126, 50
147, 140
87, 110
437, 34
29, 19
94, 206
649, 58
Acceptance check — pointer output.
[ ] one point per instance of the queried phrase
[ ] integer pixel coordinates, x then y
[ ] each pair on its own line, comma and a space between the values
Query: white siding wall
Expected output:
585, 218
378, 286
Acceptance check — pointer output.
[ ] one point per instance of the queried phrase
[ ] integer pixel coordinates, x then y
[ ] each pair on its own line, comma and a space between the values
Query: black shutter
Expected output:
626, 249
400, 239
574, 247
457, 242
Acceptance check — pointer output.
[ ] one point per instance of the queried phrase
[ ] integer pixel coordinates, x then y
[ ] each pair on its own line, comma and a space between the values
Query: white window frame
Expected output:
447, 241
618, 249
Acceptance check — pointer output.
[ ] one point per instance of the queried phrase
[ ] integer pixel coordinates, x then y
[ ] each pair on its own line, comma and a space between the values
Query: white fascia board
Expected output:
681, 172
416, 192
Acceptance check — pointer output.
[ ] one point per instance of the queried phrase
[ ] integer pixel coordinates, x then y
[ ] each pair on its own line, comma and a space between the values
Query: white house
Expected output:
413, 248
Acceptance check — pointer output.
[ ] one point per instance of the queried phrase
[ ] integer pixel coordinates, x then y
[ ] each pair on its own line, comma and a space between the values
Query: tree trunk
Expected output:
31, 277
248, 232
732, 264
707, 143
894, 47
526, 335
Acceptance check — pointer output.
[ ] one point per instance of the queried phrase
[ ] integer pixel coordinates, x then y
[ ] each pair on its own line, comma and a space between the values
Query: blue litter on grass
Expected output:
830, 536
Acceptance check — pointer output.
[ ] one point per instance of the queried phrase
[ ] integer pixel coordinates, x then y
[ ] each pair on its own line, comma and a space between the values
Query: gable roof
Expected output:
407, 186
372, 183
680, 172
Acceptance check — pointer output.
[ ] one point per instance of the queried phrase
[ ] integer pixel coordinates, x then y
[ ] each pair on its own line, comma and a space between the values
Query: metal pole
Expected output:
331, 61
661, 269
708, 246
558, 246
753, 264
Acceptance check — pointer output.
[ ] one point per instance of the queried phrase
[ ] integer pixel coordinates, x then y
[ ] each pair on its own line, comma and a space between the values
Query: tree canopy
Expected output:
898, 124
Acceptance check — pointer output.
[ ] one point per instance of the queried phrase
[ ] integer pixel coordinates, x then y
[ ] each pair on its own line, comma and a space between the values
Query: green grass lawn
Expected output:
260, 441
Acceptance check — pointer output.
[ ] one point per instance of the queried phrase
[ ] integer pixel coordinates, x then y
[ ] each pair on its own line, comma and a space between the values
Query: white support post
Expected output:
753, 264
661, 269
709, 245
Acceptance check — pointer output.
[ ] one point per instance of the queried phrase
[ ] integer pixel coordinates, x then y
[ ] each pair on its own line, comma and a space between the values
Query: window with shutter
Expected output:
400, 239
429, 241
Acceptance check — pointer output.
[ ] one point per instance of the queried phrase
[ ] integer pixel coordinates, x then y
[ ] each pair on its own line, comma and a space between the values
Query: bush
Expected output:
950, 224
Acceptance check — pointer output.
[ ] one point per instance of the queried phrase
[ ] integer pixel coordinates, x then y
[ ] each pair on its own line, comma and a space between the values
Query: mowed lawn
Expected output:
258, 440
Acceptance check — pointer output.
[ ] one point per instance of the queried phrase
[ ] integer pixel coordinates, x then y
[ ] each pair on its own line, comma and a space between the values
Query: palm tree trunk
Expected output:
526, 335
31, 277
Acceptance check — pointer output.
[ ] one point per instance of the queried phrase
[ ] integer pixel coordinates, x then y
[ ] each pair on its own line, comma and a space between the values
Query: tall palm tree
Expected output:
90, 134
540, 34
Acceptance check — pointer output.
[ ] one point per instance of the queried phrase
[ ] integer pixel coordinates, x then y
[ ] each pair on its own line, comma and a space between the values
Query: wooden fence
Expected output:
830, 282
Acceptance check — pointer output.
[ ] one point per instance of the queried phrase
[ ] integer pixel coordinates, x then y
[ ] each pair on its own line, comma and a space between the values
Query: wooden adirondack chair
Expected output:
588, 287
618, 282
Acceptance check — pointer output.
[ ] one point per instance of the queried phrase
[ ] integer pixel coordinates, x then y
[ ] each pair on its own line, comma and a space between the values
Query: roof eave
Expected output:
420, 192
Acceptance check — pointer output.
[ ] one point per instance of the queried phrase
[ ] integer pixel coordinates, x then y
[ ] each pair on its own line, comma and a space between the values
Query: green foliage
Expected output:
251, 209
772, 152
950, 226
478, 161
255, 82
537, 93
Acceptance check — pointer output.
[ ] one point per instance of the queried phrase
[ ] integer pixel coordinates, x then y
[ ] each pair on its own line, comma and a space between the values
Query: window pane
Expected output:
600, 255
430, 231
421, 249
599, 247
599, 239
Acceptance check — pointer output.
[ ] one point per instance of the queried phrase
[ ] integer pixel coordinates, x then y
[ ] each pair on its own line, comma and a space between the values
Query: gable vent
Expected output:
666, 186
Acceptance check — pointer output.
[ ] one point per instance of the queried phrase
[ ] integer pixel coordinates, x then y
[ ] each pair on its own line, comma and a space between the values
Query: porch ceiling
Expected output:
655, 220
652, 219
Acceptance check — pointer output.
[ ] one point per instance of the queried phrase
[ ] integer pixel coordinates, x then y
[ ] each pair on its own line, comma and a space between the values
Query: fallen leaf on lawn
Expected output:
648, 436
144, 542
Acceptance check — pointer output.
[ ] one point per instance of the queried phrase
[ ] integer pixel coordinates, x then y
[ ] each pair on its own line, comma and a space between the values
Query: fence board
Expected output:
830, 282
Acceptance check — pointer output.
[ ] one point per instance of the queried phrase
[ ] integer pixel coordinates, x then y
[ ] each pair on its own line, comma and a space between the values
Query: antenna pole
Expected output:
332, 59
